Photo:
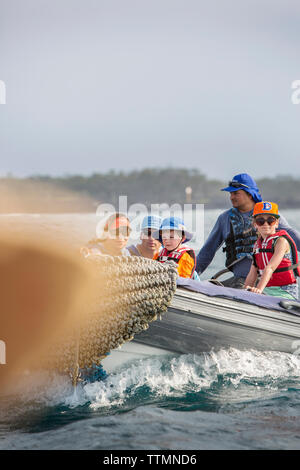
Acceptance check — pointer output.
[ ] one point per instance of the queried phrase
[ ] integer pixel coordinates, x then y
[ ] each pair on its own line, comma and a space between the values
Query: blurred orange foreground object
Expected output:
43, 287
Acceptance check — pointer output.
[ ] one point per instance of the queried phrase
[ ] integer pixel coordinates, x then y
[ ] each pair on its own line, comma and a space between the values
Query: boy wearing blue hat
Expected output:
173, 235
235, 228
149, 247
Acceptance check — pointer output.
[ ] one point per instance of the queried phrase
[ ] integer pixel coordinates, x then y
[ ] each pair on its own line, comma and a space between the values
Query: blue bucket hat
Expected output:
246, 183
174, 223
151, 221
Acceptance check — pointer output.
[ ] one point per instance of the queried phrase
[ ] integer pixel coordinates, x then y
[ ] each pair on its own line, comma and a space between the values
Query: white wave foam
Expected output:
256, 364
190, 373
158, 377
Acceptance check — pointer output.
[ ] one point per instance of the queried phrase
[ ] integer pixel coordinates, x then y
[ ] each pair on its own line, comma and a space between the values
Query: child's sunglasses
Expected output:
260, 221
168, 234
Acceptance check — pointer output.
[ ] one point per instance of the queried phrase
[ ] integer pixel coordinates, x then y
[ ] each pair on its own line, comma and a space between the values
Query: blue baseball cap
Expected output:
151, 221
246, 183
174, 223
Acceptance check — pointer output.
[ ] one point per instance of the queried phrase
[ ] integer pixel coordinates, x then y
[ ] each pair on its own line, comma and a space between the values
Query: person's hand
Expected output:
254, 289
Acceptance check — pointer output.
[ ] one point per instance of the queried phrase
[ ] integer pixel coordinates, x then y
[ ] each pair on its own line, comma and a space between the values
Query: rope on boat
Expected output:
130, 292
75, 372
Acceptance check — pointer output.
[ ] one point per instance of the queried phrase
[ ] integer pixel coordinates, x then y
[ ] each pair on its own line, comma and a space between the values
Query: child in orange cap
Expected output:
275, 259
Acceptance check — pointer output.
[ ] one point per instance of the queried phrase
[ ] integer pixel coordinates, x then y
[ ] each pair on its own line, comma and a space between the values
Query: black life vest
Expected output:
241, 239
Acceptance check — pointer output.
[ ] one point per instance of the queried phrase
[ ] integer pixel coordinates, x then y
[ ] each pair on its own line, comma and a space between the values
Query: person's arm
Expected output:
251, 278
284, 225
280, 249
212, 244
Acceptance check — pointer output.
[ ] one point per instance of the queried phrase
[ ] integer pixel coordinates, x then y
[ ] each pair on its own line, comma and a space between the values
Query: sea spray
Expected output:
216, 373
228, 371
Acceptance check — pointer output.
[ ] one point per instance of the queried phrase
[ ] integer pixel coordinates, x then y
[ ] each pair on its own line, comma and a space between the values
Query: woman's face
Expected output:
118, 238
171, 239
266, 225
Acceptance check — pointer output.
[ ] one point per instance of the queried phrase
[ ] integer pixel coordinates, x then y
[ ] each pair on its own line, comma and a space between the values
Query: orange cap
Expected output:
266, 207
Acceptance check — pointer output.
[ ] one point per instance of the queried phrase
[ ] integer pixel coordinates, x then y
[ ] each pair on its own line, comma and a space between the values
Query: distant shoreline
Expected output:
83, 194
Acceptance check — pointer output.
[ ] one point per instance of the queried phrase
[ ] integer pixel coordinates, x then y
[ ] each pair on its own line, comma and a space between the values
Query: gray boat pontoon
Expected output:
204, 317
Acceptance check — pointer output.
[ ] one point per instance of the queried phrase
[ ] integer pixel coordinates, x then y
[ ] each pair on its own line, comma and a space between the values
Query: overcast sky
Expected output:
95, 85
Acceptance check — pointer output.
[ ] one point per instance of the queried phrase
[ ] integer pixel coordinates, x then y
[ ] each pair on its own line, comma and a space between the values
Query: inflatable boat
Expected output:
204, 317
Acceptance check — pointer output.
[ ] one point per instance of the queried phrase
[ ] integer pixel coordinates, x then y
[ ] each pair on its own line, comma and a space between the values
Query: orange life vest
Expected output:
176, 255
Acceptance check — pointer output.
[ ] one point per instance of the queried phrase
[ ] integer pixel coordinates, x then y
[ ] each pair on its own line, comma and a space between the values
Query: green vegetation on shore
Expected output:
75, 193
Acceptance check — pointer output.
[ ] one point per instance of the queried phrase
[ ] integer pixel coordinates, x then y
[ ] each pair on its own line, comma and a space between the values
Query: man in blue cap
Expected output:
234, 227
149, 246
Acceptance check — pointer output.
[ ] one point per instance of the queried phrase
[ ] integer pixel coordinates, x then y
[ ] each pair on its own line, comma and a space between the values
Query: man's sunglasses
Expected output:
148, 233
260, 221
236, 184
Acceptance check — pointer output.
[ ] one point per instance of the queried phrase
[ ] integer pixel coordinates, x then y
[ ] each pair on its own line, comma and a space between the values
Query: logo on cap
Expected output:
267, 206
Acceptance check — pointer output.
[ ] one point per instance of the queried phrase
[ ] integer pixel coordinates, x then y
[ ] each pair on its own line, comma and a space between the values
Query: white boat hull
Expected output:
129, 352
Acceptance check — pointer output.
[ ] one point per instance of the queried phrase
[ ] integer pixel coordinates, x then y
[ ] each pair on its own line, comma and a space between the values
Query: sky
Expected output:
96, 85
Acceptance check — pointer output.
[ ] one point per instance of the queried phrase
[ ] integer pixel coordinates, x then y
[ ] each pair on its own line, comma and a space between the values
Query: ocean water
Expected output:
229, 399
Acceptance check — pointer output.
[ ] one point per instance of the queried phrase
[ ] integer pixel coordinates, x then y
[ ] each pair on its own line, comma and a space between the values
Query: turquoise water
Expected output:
228, 399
